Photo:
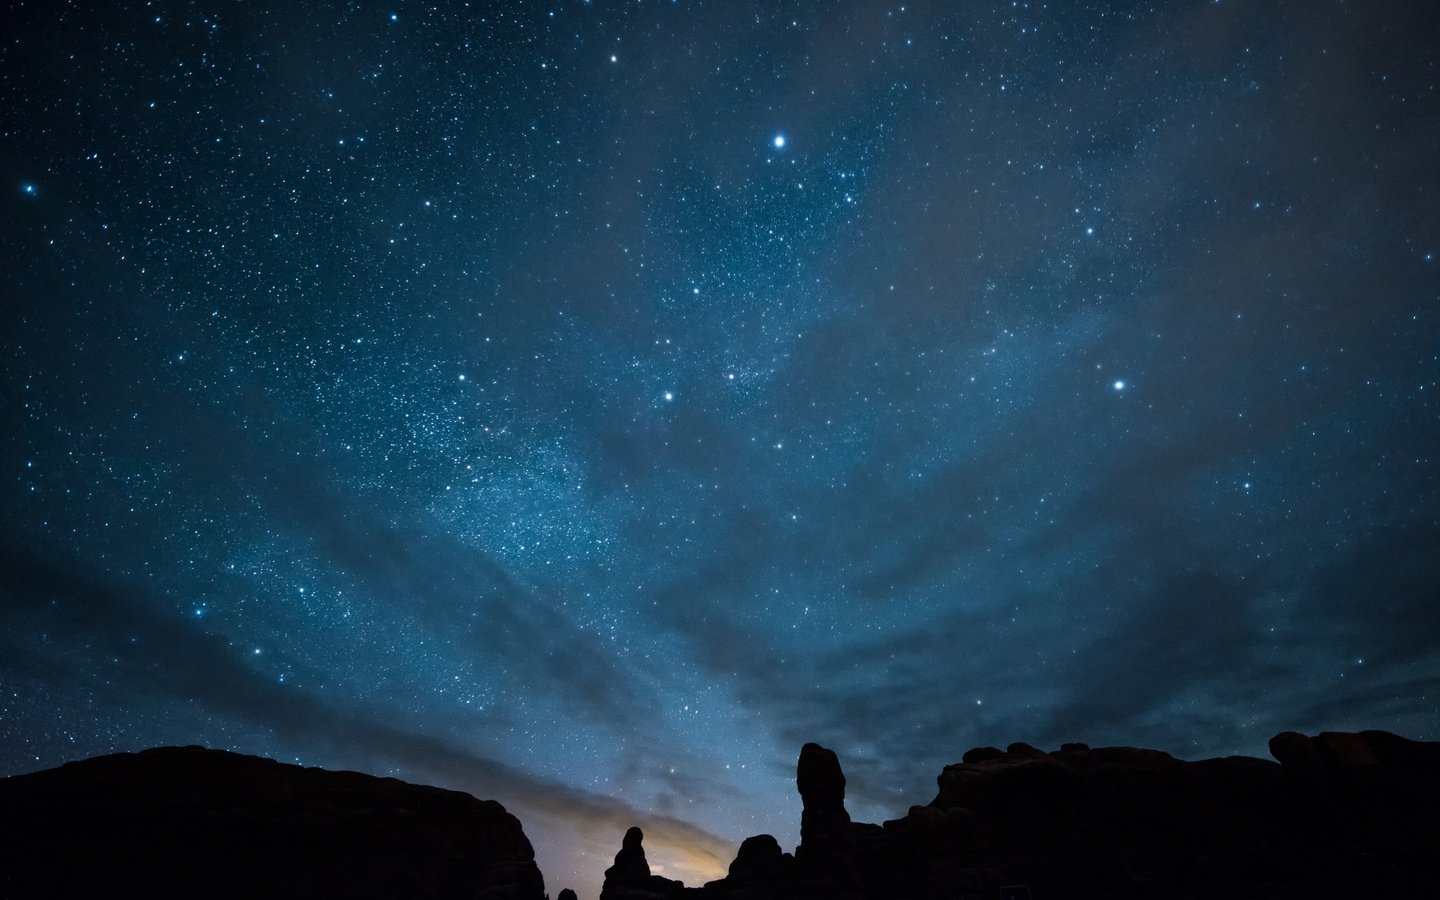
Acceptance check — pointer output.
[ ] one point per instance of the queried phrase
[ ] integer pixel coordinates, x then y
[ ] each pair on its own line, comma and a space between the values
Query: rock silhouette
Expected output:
824, 823
825, 857
1340, 815
630, 879
190, 822
761, 864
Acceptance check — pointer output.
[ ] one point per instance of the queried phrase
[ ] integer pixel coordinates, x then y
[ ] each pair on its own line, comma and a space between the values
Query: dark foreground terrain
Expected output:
195, 823
1339, 815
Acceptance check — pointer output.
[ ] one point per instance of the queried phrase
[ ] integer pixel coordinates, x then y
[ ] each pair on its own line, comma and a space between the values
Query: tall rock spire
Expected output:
824, 857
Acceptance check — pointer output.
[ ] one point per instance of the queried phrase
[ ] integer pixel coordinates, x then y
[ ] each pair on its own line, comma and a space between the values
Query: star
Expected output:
470, 449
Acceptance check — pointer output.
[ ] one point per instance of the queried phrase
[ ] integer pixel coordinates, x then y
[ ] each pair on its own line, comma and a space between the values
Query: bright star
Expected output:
29, 189
1119, 385
779, 142
669, 396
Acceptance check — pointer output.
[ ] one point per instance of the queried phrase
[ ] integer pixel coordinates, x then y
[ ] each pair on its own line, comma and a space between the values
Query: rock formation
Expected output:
1340, 815
630, 879
825, 855
190, 822
824, 823
761, 864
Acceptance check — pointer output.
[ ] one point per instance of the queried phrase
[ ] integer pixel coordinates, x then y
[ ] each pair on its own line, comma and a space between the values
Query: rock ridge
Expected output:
191, 822
1336, 815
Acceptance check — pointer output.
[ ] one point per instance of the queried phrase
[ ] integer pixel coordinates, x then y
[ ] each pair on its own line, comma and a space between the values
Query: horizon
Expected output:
701, 853
586, 404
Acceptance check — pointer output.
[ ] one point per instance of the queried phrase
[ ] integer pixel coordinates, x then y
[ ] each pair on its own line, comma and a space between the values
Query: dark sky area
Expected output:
584, 404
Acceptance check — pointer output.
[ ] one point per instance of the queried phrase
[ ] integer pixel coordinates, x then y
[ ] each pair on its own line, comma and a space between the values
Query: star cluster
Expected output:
586, 403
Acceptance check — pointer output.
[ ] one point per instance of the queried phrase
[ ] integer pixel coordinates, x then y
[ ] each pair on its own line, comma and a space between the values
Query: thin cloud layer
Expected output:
490, 398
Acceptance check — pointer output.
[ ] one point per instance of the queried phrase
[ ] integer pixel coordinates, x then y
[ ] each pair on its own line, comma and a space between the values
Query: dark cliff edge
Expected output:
1339, 815
190, 822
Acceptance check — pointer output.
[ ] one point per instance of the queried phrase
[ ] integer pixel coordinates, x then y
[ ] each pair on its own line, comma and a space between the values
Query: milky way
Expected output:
585, 404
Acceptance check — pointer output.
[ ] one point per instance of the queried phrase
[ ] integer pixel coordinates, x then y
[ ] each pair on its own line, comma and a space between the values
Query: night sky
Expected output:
585, 404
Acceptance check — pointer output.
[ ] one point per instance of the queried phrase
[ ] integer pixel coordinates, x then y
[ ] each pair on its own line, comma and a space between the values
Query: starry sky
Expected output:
584, 404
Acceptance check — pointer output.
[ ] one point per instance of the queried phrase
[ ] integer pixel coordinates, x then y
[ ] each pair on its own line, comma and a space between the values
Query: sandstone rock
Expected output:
962, 785
927, 818
1099, 822
630, 879
1346, 751
981, 754
1123, 821
818, 777
760, 861
825, 863
1404, 754
960, 817
1126, 822
1340, 815
630, 866
1298, 754
823, 818
191, 822
1125, 757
